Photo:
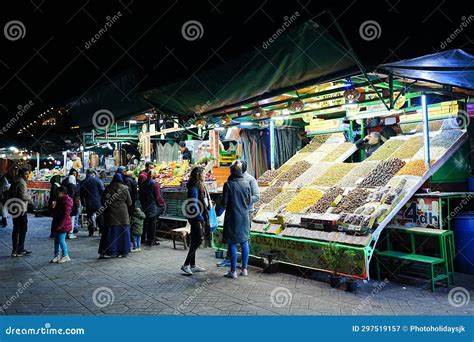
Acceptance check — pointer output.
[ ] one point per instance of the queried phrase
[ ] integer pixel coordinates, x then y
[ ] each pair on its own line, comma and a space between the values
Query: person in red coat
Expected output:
62, 225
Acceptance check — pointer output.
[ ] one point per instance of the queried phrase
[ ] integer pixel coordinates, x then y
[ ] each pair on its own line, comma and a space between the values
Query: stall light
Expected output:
13, 149
133, 122
282, 117
3, 155
246, 123
297, 105
219, 128
161, 120
226, 120
285, 112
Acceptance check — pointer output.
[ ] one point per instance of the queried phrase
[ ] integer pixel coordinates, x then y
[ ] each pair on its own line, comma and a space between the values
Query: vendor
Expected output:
185, 151
370, 143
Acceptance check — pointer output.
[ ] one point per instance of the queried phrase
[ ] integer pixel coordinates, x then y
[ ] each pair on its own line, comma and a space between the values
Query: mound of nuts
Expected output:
267, 177
303, 200
266, 197
325, 202
352, 201
292, 173
413, 168
386, 150
382, 174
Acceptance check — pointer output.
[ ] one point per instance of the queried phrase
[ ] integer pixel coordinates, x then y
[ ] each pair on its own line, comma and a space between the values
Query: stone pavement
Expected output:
150, 283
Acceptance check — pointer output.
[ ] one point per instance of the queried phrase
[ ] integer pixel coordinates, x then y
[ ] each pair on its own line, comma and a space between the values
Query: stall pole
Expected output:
272, 145
362, 136
64, 162
426, 131
37, 164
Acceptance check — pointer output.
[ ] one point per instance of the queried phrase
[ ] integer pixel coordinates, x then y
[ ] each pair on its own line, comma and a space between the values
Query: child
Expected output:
62, 224
138, 217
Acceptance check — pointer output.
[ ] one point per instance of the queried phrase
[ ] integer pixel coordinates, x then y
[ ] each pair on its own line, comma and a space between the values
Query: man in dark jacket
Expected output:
185, 151
18, 207
153, 205
370, 143
91, 191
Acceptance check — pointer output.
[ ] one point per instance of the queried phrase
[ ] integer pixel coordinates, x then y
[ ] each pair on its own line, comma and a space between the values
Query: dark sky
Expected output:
51, 63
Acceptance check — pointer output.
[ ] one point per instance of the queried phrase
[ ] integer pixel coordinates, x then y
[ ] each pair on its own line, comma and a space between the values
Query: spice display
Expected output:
337, 152
360, 171
409, 128
352, 201
297, 157
382, 174
315, 157
315, 143
436, 152
413, 168
409, 148
386, 150
325, 202
310, 175
432, 125
292, 173
446, 138
303, 200
266, 197
333, 174
281, 199
267, 177
451, 123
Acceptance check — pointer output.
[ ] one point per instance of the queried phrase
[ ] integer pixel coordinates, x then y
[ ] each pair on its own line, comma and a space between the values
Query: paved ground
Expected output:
150, 283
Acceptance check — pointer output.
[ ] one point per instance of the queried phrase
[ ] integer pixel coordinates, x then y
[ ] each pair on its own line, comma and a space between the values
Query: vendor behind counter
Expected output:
370, 143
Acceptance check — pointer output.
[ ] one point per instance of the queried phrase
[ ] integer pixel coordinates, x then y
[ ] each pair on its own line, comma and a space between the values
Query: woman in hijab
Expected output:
236, 199
115, 238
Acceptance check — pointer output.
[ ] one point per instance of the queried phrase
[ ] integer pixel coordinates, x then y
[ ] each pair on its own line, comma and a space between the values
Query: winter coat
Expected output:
236, 199
61, 219
55, 184
369, 149
132, 187
4, 188
150, 198
91, 190
19, 191
197, 206
116, 200
73, 191
254, 190
137, 221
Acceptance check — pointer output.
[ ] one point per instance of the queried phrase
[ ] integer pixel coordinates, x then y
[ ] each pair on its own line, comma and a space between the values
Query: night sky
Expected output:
52, 62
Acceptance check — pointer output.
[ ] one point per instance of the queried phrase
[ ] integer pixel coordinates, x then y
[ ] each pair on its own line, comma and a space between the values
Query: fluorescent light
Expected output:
285, 112
132, 121
246, 123
283, 117
219, 128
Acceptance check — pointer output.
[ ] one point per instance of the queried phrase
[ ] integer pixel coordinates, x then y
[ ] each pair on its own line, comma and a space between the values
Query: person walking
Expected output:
236, 199
4, 188
197, 212
91, 190
115, 238
153, 205
62, 225
18, 207
254, 197
53, 196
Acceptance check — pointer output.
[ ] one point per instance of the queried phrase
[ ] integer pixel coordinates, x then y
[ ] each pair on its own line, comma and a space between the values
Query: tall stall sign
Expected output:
419, 212
214, 142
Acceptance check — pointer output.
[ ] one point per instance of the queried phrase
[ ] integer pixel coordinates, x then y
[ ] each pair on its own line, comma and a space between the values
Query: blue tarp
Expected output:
453, 67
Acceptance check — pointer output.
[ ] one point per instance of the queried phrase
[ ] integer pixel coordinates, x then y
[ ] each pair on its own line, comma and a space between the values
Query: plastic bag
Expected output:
213, 223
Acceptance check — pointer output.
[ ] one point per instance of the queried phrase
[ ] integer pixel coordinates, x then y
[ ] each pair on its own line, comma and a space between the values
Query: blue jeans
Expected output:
233, 255
60, 240
136, 239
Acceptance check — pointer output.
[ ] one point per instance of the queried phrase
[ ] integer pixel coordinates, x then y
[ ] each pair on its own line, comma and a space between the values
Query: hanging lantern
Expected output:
258, 113
307, 117
352, 95
201, 122
226, 120
297, 105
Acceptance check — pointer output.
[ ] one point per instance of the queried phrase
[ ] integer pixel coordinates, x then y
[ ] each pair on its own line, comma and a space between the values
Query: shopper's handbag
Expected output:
213, 223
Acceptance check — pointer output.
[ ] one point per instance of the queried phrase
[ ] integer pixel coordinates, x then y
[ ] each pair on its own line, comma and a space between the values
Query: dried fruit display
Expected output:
350, 202
266, 197
382, 174
292, 173
333, 174
432, 125
325, 202
281, 199
409, 128
386, 150
297, 157
409, 148
446, 138
315, 143
267, 177
337, 152
303, 200
413, 168
360, 171
311, 174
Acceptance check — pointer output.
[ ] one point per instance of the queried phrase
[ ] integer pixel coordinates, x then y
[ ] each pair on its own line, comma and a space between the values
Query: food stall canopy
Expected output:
116, 96
303, 55
453, 67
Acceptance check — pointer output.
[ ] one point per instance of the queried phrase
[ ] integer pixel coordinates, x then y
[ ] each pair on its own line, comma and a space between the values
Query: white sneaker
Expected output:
231, 275
72, 236
197, 268
244, 272
187, 269
55, 259
134, 250
64, 259
139, 249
